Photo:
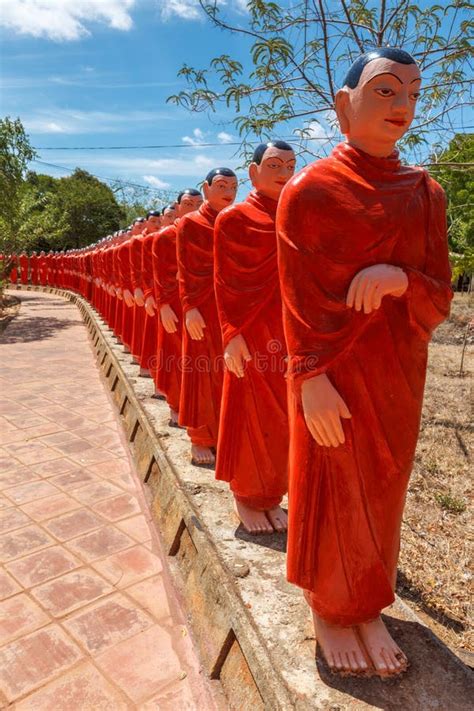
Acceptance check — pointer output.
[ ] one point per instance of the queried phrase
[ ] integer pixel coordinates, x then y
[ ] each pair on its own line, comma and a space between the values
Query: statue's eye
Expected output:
385, 92
415, 95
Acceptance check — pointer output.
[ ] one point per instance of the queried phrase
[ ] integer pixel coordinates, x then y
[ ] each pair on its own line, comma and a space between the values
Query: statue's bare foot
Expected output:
126, 349
145, 373
387, 657
158, 395
278, 519
254, 522
341, 649
173, 421
201, 455
135, 361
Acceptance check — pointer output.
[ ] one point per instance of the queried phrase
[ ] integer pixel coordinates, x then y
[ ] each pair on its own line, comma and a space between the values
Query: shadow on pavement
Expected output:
34, 328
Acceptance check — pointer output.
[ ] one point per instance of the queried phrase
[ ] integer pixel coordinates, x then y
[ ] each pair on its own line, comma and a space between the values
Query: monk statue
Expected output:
252, 451
365, 277
165, 277
201, 379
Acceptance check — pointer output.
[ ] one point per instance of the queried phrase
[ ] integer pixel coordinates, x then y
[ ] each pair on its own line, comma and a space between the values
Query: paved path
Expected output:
88, 617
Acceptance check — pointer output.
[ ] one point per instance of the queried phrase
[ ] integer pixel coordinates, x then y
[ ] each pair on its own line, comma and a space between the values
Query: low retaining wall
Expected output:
253, 630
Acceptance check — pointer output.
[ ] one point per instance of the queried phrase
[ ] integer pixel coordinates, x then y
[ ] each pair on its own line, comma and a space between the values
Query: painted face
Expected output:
221, 193
189, 203
379, 111
169, 216
275, 169
137, 228
154, 222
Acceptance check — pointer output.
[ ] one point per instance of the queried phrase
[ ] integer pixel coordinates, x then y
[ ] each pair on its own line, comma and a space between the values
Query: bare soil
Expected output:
9, 308
435, 569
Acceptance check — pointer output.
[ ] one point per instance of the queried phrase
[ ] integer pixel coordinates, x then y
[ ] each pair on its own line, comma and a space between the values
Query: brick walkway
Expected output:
88, 618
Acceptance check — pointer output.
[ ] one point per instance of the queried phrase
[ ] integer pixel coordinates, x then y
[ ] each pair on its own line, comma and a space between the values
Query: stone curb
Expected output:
253, 631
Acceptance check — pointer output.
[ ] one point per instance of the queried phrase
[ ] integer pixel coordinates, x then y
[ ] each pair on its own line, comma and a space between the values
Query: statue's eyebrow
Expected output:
391, 74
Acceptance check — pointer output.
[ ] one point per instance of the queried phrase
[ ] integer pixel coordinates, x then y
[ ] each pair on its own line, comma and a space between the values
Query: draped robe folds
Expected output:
34, 269
124, 281
24, 268
148, 357
252, 450
14, 270
165, 267
335, 218
136, 244
201, 385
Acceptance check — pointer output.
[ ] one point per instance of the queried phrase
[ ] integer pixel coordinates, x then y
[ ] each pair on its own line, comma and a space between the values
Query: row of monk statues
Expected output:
288, 334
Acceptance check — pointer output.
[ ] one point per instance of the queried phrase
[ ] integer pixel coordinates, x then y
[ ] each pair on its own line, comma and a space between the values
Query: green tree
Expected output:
15, 153
298, 53
90, 209
453, 169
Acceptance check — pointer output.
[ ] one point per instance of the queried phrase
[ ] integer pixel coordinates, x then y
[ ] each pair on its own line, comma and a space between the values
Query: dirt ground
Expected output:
435, 575
9, 308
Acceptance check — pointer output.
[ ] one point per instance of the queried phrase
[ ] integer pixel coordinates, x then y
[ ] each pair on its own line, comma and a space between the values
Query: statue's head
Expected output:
188, 200
169, 214
138, 225
377, 103
272, 166
153, 220
220, 188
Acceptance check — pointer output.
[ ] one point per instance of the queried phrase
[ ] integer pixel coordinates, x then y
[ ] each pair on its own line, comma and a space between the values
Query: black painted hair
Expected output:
189, 191
171, 206
393, 53
260, 150
153, 213
226, 172
138, 219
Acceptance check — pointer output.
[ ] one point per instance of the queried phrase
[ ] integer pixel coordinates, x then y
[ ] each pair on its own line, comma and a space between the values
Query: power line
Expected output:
101, 177
193, 145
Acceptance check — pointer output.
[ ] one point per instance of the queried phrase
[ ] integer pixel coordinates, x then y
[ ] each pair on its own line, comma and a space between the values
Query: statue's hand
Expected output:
168, 319
236, 354
139, 297
150, 305
195, 324
370, 285
119, 293
128, 298
323, 408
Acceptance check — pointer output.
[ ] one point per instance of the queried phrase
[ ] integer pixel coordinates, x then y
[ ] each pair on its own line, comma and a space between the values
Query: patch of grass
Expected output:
450, 503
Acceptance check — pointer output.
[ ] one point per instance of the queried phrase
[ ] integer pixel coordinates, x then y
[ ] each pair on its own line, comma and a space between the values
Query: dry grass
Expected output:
435, 571
9, 308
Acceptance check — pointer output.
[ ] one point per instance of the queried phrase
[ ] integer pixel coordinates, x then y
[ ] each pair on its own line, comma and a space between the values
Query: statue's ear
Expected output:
205, 189
253, 167
341, 105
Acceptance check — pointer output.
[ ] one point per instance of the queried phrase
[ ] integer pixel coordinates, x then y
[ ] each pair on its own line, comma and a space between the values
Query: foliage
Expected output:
15, 153
450, 503
452, 168
299, 52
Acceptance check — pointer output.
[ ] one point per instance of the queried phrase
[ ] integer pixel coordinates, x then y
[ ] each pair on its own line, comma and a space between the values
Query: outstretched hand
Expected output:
139, 298
370, 285
168, 319
236, 354
195, 324
128, 298
150, 305
323, 408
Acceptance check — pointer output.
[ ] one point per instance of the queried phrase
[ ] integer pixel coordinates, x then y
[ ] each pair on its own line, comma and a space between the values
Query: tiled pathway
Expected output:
88, 618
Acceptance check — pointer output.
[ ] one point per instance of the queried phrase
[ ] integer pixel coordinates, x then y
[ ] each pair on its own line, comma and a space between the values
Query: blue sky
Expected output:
98, 72
104, 81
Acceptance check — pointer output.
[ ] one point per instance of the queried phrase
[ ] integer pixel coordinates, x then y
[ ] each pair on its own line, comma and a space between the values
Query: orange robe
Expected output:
24, 268
338, 216
201, 385
34, 276
168, 371
148, 355
136, 279
14, 270
124, 281
252, 451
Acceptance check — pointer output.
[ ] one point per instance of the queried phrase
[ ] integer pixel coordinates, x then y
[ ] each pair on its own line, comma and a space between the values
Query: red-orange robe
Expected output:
252, 451
201, 384
168, 371
148, 355
124, 281
24, 268
136, 243
336, 217
14, 269
34, 276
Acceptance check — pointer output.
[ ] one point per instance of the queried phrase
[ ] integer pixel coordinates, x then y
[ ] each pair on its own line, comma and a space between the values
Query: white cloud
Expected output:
224, 137
76, 121
197, 139
156, 182
64, 20
183, 166
185, 9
